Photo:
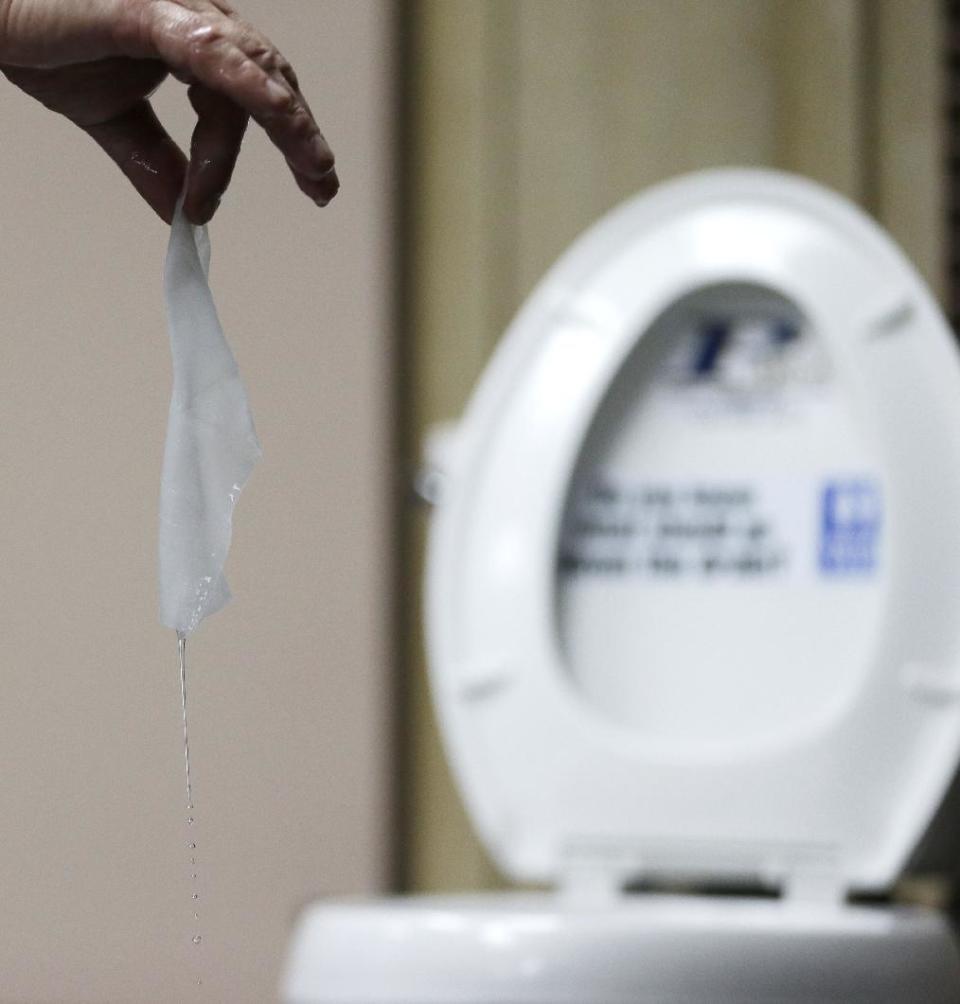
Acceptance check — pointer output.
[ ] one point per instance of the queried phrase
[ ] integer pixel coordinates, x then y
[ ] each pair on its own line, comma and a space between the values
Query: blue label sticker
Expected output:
851, 520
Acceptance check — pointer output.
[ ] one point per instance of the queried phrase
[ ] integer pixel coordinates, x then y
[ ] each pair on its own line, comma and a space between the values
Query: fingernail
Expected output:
209, 208
330, 186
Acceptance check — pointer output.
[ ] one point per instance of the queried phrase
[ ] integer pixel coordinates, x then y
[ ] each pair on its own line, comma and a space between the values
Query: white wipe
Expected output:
211, 444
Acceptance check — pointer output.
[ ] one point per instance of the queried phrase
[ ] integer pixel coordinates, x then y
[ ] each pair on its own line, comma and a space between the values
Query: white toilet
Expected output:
693, 619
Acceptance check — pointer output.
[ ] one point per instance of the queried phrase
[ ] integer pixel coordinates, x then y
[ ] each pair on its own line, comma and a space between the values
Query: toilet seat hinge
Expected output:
818, 878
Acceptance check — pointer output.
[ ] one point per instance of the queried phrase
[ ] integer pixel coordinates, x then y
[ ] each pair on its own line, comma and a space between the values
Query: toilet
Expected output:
693, 619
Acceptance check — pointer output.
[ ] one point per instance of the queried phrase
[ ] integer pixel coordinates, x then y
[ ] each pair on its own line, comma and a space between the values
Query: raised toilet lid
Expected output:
693, 589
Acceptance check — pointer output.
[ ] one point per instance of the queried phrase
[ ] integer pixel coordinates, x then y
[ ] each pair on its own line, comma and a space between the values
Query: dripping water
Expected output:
182, 652
191, 842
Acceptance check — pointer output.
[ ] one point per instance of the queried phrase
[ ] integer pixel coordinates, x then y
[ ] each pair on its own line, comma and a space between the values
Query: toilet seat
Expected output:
560, 792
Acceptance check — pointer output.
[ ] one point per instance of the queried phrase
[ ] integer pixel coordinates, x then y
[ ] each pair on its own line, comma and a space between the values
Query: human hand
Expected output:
98, 61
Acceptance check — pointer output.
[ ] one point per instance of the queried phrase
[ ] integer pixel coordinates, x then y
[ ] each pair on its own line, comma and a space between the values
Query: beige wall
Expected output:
530, 119
289, 685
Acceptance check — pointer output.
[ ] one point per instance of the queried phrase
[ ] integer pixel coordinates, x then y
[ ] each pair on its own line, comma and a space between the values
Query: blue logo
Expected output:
851, 520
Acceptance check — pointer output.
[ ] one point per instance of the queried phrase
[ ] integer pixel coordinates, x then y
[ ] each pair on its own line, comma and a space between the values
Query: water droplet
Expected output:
196, 895
189, 820
194, 876
192, 846
197, 939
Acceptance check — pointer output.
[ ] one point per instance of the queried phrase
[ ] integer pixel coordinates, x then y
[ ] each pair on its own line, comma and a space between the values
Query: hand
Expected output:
98, 61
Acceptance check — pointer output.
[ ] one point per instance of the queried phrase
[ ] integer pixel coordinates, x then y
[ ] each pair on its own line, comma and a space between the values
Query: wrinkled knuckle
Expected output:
206, 38
289, 73
249, 38
285, 105
271, 60
203, 38
302, 126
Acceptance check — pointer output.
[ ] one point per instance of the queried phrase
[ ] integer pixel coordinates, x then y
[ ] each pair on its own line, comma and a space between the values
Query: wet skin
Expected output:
97, 62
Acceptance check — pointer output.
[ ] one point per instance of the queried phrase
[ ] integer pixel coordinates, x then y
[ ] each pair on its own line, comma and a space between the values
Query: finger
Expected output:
297, 121
230, 58
146, 154
320, 191
294, 131
213, 151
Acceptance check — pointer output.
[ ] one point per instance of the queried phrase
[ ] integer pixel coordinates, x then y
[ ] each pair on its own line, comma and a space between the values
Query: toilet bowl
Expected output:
651, 949
692, 593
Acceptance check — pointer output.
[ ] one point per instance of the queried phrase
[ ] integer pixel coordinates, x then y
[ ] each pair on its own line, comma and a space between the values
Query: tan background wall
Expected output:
530, 119
289, 685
